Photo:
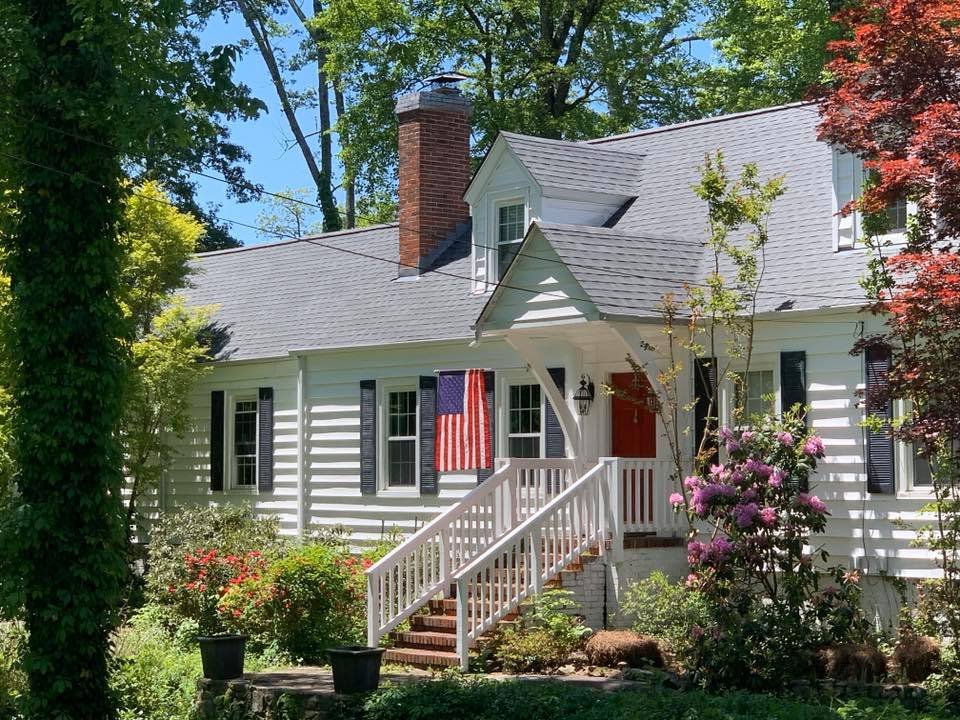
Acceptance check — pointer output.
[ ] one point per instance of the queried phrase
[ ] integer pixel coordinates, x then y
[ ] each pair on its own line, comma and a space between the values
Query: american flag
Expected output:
463, 427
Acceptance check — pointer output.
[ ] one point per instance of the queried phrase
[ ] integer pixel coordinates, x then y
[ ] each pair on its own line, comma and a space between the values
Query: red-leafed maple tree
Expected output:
895, 102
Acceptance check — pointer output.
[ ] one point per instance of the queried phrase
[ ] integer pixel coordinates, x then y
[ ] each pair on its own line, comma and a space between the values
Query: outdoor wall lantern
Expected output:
584, 395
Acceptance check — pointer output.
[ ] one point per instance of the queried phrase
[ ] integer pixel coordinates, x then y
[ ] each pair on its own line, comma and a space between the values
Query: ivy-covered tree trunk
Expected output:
63, 259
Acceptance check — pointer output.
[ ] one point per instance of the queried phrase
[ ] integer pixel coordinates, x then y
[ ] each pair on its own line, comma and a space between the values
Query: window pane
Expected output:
402, 420
897, 215
524, 447
402, 463
750, 390
921, 472
510, 230
245, 442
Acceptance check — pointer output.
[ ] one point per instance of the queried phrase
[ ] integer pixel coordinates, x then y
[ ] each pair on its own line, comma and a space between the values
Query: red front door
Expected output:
634, 428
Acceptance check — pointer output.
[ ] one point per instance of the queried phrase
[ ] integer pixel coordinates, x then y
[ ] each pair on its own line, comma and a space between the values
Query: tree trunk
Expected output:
63, 549
349, 184
331, 213
259, 32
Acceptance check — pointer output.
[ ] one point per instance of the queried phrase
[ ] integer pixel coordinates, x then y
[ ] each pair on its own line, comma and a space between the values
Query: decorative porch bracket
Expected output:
571, 431
640, 351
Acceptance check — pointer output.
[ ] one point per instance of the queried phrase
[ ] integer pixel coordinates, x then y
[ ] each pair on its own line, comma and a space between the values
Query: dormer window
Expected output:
511, 226
848, 179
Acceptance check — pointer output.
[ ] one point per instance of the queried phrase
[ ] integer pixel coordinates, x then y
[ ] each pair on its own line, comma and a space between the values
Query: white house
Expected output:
321, 408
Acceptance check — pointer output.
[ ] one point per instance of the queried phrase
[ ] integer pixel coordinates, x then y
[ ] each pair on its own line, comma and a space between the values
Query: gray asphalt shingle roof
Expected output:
622, 272
577, 166
295, 295
802, 269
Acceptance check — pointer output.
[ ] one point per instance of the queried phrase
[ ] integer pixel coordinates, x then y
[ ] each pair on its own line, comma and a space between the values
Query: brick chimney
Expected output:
434, 149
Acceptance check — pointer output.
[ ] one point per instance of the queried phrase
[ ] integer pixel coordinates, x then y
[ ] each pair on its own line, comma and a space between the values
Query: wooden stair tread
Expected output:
420, 638
422, 658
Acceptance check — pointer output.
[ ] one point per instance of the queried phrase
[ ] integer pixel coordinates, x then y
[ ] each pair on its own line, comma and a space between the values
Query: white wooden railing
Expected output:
494, 584
644, 489
423, 566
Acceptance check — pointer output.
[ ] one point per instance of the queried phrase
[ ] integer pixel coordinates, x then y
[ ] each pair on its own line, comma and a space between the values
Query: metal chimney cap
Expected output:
446, 78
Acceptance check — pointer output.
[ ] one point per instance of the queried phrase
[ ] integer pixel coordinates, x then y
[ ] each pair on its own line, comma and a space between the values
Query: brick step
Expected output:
448, 607
435, 623
425, 638
419, 657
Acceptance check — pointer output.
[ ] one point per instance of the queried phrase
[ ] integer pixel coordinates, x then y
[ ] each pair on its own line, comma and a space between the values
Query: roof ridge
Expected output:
292, 240
700, 121
583, 144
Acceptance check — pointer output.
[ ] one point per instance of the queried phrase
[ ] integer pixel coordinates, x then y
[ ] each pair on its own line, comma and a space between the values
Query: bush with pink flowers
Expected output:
755, 558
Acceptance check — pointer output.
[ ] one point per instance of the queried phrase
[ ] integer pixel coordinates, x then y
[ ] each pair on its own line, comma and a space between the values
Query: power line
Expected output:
260, 190
370, 256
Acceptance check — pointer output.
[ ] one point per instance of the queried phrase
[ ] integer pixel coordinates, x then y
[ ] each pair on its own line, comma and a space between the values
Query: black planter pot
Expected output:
222, 656
356, 668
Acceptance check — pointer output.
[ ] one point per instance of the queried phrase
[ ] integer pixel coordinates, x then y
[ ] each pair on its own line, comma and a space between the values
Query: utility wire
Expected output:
258, 189
370, 256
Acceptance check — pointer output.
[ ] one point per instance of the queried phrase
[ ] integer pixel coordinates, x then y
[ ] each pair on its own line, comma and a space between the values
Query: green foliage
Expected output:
544, 637
292, 215
166, 352
305, 602
482, 699
67, 70
665, 610
770, 52
231, 530
557, 69
13, 681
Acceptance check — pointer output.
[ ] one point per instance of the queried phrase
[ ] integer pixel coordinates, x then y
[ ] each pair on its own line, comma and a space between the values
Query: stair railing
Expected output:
520, 562
423, 566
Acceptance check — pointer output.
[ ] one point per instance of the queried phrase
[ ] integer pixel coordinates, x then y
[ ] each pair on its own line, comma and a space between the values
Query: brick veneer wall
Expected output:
434, 170
600, 579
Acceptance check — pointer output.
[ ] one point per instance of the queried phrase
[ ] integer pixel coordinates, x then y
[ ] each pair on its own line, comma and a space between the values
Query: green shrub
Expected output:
483, 699
666, 610
13, 681
152, 677
230, 530
544, 637
303, 603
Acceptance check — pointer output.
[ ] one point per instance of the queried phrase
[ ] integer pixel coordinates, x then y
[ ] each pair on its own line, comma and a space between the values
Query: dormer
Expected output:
525, 178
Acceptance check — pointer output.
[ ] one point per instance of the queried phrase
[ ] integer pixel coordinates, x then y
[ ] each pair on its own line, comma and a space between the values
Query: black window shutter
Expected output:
368, 437
489, 385
880, 458
265, 440
427, 439
555, 445
793, 379
216, 440
704, 388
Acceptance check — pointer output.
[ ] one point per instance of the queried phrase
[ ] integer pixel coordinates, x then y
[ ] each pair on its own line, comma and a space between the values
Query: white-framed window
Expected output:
399, 432
913, 475
757, 390
243, 442
510, 227
524, 425
753, 390
848, 179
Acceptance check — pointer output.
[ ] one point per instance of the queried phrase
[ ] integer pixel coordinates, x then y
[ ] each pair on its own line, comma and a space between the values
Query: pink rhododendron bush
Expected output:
753, 553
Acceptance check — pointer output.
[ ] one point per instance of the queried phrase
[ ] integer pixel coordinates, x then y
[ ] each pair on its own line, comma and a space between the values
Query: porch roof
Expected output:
623, 274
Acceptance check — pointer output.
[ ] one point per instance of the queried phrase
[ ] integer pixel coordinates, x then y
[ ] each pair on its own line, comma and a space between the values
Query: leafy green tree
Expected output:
90, 91
289, 213
166, 351
556, 68
769, 51
68, 65
262, 18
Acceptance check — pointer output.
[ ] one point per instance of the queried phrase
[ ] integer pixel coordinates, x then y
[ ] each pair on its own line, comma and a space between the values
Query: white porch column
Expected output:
571, 431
